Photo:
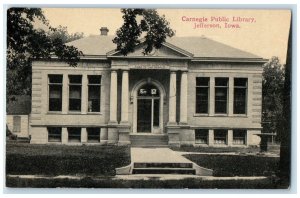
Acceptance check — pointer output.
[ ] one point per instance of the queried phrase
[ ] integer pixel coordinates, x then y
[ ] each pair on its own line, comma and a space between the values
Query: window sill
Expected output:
201, 115
94, 113
54, 112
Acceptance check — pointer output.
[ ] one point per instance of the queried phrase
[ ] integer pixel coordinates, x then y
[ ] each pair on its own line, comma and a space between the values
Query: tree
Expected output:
272, 92
62, 33
25, 43
154, 27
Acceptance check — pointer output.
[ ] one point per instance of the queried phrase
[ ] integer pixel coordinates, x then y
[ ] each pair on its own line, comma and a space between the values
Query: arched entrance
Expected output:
148, 98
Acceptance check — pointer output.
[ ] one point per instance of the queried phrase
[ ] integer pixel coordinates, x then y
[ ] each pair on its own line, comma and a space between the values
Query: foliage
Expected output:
272, 93
29, 159
24, 43
62, 33
155, 28
237, 165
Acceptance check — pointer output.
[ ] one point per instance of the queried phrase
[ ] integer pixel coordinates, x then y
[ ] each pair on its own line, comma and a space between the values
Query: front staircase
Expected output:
149, 140
163, 168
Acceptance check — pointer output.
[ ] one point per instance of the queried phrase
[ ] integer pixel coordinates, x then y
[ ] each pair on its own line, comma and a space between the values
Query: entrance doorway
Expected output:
148, 109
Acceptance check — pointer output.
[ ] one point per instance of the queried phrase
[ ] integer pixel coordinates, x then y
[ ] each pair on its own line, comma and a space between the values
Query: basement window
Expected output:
74, 134
54, 134
239, 137
93, 134
201, 136
220, 136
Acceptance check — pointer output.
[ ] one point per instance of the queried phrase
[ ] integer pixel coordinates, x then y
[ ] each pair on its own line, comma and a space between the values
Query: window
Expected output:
17, 124
239, 137
54, 134
93, 134
75, 92
94, 96
55, 92
74, 134
221, 94
201, 136
202, 94
220, 136
240, 95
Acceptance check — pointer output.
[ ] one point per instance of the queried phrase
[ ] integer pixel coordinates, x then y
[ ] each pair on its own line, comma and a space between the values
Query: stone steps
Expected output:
149, 140
163, 168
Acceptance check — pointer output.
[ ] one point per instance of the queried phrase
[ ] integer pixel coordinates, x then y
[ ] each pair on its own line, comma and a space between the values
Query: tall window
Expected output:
17, 124
94, 96
220, 136
54, 134
221, 95
240, 95
202, 94
75, 92
55, 92
239, 137
74, 134
93, 134
201, 136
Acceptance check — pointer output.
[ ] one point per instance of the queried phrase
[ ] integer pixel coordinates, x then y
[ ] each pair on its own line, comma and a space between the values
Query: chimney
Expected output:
104, 31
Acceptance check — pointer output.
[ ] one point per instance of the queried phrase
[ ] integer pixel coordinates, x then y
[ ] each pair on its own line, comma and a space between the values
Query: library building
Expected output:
192, 91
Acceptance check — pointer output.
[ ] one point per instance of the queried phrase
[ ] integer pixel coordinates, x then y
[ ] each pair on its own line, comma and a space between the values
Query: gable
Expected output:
166, 51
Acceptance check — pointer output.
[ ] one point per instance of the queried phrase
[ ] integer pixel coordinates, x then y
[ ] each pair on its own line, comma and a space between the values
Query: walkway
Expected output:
161, 155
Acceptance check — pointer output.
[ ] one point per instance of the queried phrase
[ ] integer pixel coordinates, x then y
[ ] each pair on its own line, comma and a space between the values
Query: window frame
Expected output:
60, 135
236, 138
202, 137
207, 87
88, 97
72, 84
245, 88
49, 90
225, 131
71, 138
88, 135
227, 95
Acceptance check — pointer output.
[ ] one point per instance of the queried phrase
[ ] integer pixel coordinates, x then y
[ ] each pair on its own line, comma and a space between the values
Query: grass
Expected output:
191, 183
65, 160
237, 165
252, 149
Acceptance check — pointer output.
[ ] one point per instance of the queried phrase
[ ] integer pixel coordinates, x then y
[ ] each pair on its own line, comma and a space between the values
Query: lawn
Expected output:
65, 160
251, 149
237, 165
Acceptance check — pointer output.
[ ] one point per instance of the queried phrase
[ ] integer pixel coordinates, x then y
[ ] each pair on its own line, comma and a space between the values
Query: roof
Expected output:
200, 47
18, 105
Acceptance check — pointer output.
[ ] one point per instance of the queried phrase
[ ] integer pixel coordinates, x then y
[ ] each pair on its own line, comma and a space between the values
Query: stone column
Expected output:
113, 96
172, 99
64, 135
84, 135
65, 94
84, 94
125, 99
230, 96
211, 111
183, 98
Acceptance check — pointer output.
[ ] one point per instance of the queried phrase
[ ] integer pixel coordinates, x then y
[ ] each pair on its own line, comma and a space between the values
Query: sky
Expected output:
261, 32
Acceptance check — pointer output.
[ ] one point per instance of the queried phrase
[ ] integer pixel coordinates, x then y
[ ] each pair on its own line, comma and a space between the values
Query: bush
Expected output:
65, 160
237, 165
